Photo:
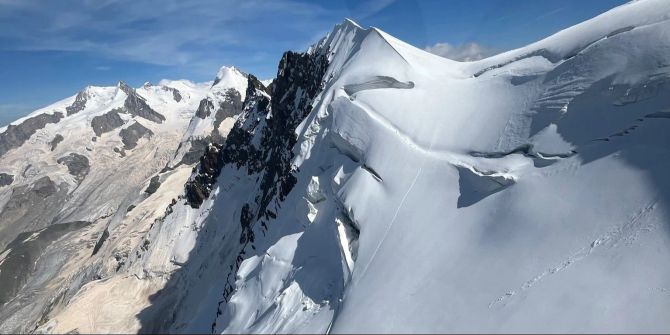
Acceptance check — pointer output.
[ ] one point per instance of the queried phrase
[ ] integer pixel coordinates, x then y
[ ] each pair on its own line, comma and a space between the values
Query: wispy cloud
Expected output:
161, 32
371, 7
464, 52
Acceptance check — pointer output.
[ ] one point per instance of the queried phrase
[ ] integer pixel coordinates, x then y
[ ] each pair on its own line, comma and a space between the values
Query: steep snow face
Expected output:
512, 194
521, 193
77, 186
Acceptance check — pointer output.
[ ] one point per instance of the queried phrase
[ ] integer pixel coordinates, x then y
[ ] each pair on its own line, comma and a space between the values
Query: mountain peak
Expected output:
349, 22
121, 85
228, 73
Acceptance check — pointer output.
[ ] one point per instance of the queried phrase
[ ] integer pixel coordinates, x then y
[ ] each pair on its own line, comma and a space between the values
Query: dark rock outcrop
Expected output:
106, 122
299, 80
137, 105
205, 108
24, 253
120, 152
297, 72
16, 135
260, 144
197, 149
77, 165
199, 188
131, 135
6, 179
54, 143
175, 93
154, 184
79, 103
100, 241
31, 207
230, 106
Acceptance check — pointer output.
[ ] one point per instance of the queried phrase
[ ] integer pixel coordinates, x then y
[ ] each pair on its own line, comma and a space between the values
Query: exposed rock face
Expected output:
107, 122
261, 144
198, 189
137, 105
230, 106
213, 159
101, 241
6, 179
154, 184
205, 108
77, 165
25, 250
16, 135
175, 93
131, 135
299, 77
54, 143
79, 103
198, 147
31, 207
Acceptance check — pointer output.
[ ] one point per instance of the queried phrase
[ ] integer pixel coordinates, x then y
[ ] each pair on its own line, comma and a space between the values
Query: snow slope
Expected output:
380, 188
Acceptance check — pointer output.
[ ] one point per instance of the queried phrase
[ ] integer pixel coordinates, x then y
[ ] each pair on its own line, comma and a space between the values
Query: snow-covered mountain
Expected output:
81, 181
371, 187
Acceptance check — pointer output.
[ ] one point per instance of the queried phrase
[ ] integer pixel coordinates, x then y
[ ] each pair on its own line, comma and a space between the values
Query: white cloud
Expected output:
465, 52
161, 32
368, 8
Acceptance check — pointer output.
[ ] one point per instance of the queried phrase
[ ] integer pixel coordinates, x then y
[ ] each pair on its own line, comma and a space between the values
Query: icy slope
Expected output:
80, 178
526, 198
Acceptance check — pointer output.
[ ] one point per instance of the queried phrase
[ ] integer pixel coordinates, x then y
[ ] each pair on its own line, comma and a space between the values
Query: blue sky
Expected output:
51, 49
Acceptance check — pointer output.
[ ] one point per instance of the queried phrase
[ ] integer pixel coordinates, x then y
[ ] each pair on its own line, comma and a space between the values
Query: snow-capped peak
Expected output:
230, 77
349, 22
228, 74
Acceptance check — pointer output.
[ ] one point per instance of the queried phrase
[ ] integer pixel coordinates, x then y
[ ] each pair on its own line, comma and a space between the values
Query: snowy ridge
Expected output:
571, 41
